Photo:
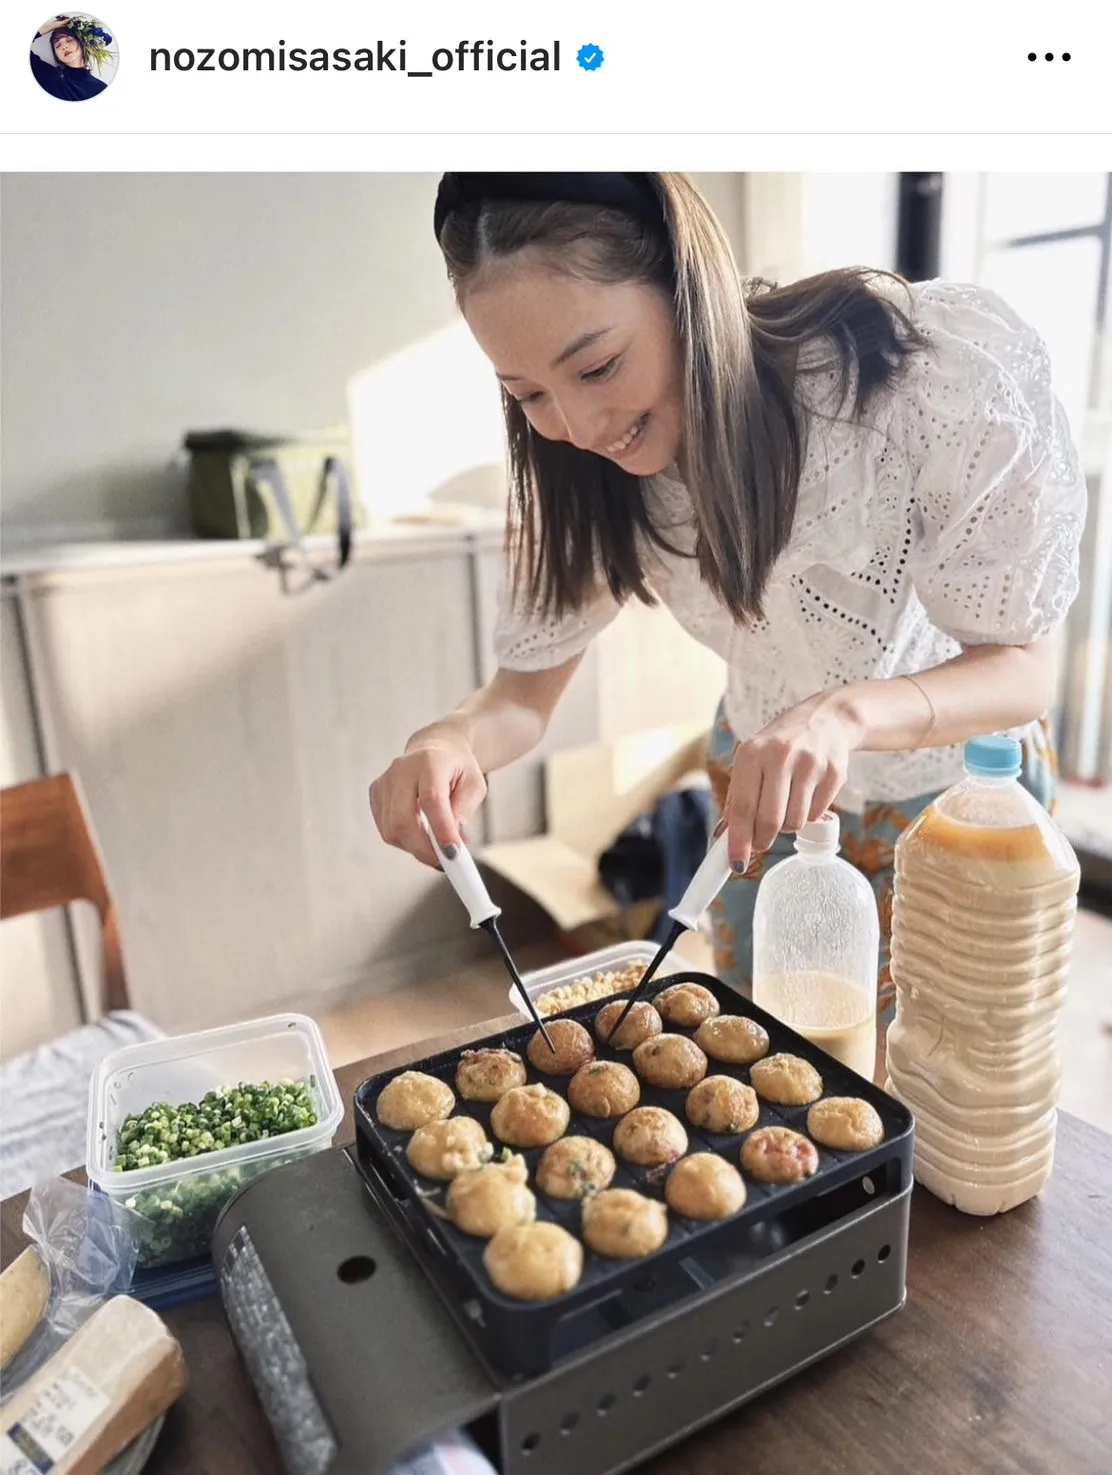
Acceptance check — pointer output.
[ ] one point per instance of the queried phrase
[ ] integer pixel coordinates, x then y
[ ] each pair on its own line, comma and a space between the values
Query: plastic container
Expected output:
181, 1201
604, 960
982, 927
816, 948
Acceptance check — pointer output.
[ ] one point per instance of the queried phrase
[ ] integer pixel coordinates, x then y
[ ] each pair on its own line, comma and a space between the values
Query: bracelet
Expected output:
922, 743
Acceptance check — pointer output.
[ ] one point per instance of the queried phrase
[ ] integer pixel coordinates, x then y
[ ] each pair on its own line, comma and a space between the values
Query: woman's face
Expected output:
598, 366
68, 52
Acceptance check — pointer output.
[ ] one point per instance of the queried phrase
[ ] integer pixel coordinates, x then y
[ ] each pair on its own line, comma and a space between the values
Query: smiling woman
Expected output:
636, 296
614, 390
72, 57
860, 492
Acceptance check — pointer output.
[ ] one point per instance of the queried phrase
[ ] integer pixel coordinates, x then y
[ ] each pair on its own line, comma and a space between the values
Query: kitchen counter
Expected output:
999, 1363
480, 526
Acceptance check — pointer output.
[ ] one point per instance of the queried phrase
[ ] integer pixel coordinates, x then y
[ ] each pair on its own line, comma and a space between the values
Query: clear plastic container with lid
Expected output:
816, 947
982, 923
179, 1202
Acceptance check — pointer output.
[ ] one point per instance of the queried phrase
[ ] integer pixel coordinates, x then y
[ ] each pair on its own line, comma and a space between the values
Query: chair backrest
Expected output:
49, 857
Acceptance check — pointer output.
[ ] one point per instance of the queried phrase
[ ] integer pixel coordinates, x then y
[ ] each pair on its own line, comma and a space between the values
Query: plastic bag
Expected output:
89, 1247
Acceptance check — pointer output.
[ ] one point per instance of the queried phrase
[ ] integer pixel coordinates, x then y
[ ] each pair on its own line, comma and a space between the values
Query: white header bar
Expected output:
791, 70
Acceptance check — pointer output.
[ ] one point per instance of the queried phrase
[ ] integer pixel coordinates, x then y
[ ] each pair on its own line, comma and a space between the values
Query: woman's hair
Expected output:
59, 32
574, 514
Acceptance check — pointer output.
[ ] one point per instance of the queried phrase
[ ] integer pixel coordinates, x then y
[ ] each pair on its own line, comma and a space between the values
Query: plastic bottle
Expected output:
982, 929
816, 945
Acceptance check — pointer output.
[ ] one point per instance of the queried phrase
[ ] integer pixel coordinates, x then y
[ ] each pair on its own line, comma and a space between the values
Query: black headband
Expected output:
633, 193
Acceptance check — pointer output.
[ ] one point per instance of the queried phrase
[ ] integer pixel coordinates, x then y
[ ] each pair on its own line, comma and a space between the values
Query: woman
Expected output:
861, 493
75, 44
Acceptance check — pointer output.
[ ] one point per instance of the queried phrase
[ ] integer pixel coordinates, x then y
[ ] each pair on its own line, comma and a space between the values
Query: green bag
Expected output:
280, 489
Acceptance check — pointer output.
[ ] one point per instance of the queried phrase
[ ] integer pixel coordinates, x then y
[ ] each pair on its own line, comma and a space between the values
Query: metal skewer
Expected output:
704, 886
459, 866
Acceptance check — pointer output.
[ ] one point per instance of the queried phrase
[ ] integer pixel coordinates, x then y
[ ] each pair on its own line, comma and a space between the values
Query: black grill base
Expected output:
354, 1369
648, 1390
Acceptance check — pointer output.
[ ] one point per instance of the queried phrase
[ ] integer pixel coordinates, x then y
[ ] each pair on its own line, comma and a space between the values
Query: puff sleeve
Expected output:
998, 492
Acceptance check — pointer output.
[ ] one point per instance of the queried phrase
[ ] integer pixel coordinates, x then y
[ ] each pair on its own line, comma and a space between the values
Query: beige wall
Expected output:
138, 306
798, 224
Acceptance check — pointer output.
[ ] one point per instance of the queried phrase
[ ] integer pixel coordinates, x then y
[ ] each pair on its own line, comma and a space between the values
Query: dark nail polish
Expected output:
451, 851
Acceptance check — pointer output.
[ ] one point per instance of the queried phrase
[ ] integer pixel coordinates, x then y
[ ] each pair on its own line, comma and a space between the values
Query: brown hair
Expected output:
575, 515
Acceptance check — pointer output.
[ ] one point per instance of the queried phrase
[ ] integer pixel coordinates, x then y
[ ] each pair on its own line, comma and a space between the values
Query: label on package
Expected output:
59, 1418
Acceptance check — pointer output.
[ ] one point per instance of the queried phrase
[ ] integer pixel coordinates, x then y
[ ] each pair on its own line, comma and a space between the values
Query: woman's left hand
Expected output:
788, 774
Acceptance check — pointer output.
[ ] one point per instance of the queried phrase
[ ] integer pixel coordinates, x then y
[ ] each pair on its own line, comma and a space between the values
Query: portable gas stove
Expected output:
369, 1325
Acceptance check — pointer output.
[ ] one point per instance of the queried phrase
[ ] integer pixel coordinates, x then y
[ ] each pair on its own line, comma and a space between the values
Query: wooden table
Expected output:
999, 1364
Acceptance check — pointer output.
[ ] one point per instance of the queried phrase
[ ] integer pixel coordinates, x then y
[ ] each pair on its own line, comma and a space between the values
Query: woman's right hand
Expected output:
437, 775
52, 25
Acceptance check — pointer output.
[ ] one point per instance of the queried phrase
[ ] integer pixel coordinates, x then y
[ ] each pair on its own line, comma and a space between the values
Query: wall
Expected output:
137, 306
799, 224
725, 194
849, 220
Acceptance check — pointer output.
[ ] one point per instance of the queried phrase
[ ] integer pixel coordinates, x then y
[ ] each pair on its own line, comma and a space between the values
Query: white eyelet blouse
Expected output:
952, 517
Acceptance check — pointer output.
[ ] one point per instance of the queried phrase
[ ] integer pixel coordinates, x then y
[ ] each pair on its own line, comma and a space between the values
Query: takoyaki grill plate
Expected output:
518, 1338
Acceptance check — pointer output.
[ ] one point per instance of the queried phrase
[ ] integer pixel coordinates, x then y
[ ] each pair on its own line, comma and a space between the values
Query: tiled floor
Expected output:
479, 992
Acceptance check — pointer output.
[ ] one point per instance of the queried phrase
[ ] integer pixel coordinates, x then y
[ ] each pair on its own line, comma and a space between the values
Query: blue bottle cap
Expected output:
994, 757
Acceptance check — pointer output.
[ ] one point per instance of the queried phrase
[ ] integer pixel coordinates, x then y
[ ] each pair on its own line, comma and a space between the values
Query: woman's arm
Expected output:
987, 688
504, 720
44, 64
442, 772
792, 769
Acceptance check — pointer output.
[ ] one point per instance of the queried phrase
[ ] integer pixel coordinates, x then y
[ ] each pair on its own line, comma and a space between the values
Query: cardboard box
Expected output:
592, 794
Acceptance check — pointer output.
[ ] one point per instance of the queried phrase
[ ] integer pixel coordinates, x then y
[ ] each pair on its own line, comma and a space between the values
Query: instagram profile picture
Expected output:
73, 56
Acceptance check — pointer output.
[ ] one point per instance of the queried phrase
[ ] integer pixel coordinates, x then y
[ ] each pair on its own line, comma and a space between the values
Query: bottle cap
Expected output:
994, 757
822, 833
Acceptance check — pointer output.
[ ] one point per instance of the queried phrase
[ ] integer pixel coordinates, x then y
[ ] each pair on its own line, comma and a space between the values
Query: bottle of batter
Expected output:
816, 945
982, 928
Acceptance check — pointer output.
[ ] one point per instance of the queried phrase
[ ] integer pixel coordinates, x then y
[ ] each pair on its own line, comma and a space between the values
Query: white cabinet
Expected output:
389, 647
226, 735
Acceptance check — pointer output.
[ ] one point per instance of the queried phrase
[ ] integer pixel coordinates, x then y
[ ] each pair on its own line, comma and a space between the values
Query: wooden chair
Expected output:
49, 857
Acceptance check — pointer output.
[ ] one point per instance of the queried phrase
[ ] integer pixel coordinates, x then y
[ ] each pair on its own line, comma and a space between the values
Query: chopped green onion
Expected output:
177, 1218
228, 1117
